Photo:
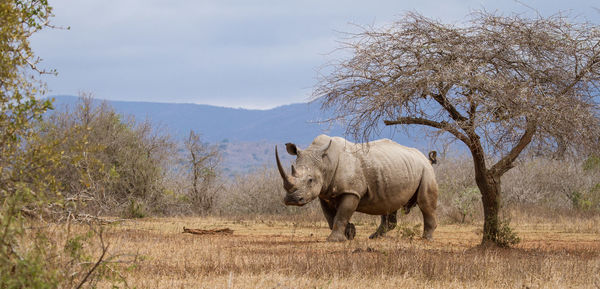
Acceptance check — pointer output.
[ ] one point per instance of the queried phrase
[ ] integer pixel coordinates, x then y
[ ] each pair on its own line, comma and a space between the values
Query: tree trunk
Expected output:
490, 196
490, 189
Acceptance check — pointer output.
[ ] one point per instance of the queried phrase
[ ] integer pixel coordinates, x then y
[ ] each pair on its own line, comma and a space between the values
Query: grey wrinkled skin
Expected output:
377, 179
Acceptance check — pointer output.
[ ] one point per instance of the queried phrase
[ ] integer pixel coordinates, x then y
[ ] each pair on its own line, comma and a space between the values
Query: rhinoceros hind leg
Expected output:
350, 231
427, 203
388, 223
429, 224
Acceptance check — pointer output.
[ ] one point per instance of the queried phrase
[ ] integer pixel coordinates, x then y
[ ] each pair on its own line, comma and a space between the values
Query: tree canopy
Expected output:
498, 77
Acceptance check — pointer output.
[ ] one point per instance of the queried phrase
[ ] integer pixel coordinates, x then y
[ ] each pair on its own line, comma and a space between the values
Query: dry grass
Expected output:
280, 253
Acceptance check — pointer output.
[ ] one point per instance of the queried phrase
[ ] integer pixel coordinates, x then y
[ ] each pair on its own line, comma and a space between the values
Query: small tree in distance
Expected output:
497, 83
203, 161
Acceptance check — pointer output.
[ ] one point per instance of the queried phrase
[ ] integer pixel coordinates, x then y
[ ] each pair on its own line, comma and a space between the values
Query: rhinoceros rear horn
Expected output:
287, 184
325, 148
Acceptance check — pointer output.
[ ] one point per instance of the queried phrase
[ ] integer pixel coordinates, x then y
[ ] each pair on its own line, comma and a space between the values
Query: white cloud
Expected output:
233, 53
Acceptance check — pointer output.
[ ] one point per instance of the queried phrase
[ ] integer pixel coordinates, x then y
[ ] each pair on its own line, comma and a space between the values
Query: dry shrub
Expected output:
111, 163
537, 185
258, 193
203, 161
456, 181
541, 185
553, 184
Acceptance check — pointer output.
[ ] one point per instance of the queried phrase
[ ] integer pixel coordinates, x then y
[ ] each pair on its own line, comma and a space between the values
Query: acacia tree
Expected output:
497, 83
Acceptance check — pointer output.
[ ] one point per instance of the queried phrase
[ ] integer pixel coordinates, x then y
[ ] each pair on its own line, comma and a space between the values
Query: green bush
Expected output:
505, 236
466, 201
135, 210
31, 196
580, 201
592, 163
409, 232
108, 162
30, 269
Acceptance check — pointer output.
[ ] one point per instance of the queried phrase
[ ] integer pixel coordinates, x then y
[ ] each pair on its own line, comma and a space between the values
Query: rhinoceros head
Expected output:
307, 178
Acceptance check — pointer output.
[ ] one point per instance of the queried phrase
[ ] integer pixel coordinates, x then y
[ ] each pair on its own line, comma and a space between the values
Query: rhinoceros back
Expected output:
392, 173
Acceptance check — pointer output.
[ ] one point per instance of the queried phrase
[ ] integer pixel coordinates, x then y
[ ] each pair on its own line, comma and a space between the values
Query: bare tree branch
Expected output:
422, 121
507, 161
98, 262
443, 101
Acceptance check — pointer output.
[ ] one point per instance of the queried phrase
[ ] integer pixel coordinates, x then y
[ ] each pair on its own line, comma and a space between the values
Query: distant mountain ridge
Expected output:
245, 137
299, 123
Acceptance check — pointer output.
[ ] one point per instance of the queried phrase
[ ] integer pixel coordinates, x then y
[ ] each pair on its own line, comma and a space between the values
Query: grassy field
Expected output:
279, 252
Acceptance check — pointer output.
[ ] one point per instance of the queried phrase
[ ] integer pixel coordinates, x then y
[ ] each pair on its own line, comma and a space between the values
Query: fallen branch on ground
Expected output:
225, 231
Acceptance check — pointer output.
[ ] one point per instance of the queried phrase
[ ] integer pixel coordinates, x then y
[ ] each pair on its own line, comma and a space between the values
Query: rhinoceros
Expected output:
377, 178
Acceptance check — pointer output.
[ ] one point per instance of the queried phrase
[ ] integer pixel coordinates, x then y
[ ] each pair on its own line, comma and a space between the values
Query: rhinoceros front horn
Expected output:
287, 184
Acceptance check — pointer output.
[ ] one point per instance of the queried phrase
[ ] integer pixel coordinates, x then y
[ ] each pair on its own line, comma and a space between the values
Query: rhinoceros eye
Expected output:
310, 180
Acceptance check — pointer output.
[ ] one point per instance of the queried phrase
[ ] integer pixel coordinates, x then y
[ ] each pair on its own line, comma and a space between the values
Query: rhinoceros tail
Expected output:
412, 202
433, 157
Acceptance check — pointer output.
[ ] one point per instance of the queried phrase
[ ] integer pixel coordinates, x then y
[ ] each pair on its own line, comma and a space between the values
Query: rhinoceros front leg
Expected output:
388, 223
329, 212
347, 204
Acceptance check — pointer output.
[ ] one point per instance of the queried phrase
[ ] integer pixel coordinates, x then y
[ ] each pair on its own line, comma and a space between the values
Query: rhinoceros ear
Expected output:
291, 149
325, 149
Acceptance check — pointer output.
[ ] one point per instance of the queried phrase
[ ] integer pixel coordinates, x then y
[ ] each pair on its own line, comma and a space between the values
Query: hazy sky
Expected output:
251, 54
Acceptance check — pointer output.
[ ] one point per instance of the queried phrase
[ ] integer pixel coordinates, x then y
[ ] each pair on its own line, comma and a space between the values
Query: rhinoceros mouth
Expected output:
294, 201
295, 204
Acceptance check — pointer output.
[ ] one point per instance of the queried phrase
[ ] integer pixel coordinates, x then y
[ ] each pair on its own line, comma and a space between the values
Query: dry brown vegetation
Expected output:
291, 252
